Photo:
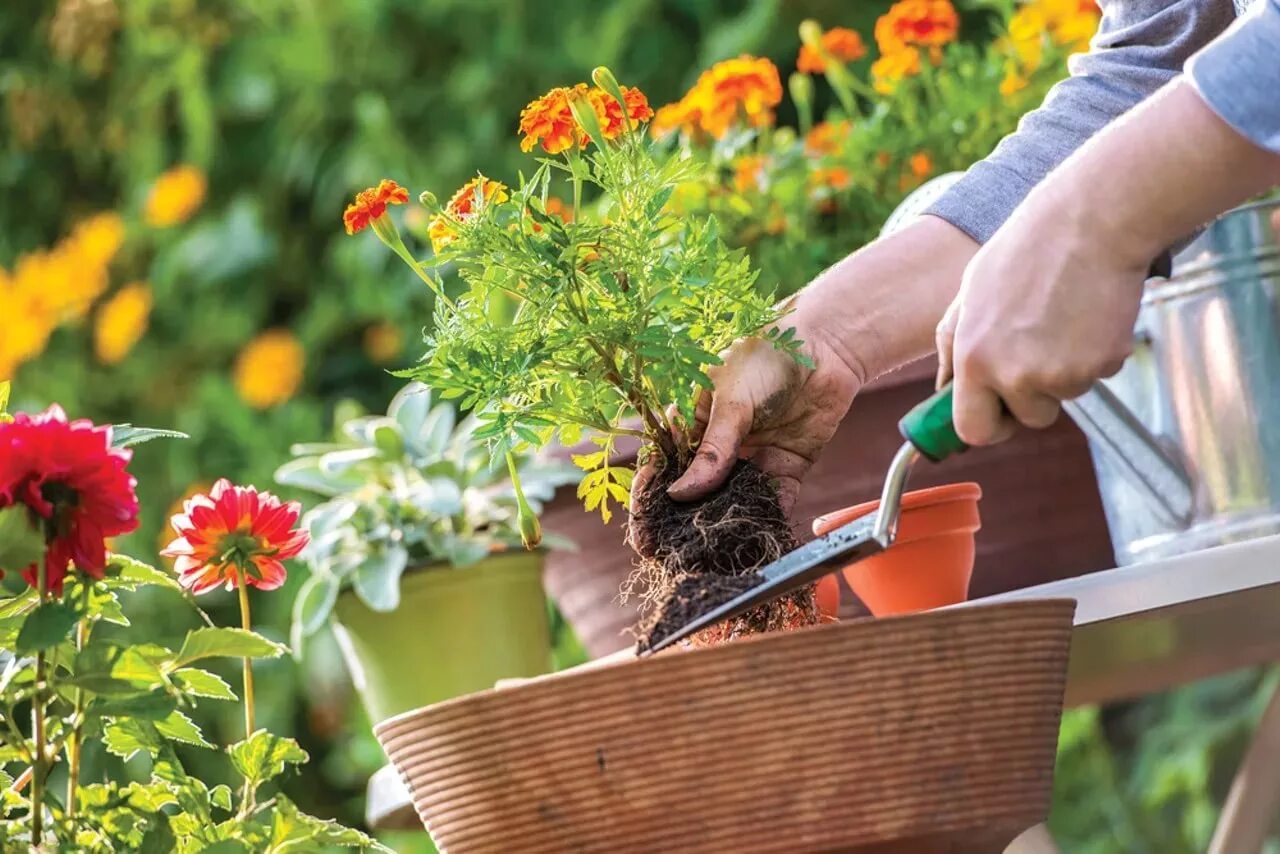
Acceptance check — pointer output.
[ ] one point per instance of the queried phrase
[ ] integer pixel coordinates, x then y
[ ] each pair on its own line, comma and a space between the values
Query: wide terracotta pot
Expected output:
456, 631
1042, 519
931, 560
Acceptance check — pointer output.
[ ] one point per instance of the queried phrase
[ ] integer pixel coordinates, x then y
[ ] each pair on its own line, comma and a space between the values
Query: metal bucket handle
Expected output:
1145, 461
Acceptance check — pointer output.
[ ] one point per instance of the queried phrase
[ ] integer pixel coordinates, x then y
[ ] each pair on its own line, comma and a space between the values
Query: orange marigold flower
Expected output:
917, 23
888, 70
748, 172
684, 115
921, 164
827, 137
371, 204
840, 43
470, 198
746, 88
609, 111
548, 121
833, 177
234, 532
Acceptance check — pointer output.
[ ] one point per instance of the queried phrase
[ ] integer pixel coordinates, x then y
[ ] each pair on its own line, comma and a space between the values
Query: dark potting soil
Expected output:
696, 556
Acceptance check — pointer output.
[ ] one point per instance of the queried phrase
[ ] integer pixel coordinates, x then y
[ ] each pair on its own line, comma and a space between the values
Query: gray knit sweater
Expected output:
1140, 46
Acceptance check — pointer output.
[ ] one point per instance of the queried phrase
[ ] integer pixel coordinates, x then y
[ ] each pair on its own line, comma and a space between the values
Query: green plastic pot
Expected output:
456, 631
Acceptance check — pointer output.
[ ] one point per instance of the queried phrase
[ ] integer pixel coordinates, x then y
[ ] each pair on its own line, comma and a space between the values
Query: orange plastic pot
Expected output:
930, 562
828, 597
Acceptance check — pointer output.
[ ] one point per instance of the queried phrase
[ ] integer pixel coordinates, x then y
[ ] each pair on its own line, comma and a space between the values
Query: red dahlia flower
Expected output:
75, 485
231, 530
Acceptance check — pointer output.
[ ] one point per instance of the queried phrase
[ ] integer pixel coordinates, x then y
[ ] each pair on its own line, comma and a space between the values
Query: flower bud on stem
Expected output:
530, 527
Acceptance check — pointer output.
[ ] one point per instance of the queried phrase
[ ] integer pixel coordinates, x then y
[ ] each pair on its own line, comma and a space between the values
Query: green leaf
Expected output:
125, 737
134, 573
20, 542
179, 727
293, 830
220, 796
46, 626
263, 756
201, 683
108, 669
126, 435
313, 606
227, 643
377, 580
154, 706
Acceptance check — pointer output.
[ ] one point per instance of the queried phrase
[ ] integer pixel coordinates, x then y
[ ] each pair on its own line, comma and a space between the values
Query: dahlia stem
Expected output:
247, 624
40, 761
73, 741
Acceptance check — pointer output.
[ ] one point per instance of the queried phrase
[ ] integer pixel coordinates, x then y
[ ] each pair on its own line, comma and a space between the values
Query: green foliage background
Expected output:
292, 105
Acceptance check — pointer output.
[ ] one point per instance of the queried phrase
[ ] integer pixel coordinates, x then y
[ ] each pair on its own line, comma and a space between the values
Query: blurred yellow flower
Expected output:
743, 89
888, 70
269, 369
383, 342
121, 322
1069, 24
97, 239
174, 197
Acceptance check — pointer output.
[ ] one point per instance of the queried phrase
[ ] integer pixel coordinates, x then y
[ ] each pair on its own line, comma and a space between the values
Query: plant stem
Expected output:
73, 741
247, 624
40, 760
400, 249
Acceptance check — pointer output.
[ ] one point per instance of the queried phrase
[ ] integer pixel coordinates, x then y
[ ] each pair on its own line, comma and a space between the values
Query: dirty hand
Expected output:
1048, 305
869, 314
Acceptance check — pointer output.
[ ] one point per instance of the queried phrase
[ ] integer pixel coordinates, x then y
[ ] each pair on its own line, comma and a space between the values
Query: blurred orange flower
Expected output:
174, 197
748, 172
832, 177
917, 23
841, 43
921, 164
268, 370
744, 89
890, 69
383, 342
121, 322
827, 137
472, 196
371, 204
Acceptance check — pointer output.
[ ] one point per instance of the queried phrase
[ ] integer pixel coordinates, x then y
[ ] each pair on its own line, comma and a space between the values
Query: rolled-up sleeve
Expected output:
1238, 75
1140, 46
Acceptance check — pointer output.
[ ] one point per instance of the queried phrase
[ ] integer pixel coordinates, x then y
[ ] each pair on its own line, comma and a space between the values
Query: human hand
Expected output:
874, 311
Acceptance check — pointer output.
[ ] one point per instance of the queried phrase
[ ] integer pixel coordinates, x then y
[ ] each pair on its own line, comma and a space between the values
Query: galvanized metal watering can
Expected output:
1186, 438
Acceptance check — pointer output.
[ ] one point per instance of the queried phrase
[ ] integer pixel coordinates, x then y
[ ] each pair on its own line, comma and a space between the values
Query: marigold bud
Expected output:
428, 199
811, 34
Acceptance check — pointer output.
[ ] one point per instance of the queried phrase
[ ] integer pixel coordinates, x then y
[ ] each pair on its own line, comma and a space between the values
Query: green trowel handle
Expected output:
930, 427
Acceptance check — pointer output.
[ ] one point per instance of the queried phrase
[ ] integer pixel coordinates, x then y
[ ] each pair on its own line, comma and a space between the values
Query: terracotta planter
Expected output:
931, 560
456, 631
945, 726
1042, 518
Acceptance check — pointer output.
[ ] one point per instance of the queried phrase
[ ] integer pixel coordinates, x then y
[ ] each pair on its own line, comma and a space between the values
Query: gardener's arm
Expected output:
1048, 304
1140, 46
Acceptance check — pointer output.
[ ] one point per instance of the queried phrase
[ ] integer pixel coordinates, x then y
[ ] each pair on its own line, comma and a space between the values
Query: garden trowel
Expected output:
930, 432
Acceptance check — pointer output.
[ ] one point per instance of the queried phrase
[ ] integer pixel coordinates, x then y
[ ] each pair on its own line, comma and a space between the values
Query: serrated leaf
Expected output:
201, 683
179, 727
126, 435
224, 643
134, 572
293, 830
153, 706
125, 737
263, 756
46, 626
587, 462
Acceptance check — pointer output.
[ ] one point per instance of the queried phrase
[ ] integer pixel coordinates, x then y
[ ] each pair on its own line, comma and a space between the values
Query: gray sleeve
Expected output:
1140, 46
1239, 75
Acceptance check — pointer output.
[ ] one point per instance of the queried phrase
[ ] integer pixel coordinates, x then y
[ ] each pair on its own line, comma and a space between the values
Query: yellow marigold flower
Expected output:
684, 115
1072, 23
890, 69
1013, 82
174, 197
841, 43
473, 196
827, 137
268, 370
121, 322
96, 240
748, 172
383, 342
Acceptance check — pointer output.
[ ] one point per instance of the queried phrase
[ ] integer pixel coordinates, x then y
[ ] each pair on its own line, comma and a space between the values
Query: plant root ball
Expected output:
698, 555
